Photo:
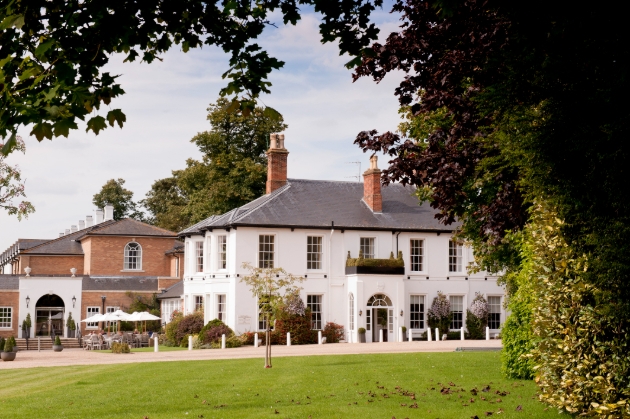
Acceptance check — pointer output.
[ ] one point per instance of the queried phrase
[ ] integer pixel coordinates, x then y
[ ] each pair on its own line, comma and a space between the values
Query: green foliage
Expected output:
11, 184
213, 330
115, 194
2, 341
9, 344
70, 322
232, 171
230, 342
361, 330
190, 324
333, 332
298, 325
141, 302
120, 348
173, 326
57, 340
475, 326
28, 320
381, 263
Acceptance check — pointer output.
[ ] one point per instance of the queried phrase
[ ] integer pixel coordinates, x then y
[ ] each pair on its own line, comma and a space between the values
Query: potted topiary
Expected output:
1, 344
8, 354
26, 327
361, 334
57, 347
71, 326
13, 344
404, 336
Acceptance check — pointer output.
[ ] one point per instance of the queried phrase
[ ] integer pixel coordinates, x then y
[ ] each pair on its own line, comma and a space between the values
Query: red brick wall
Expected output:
164, 283
372, 190
52, 265
107, 256
276, 169
10, 299
115, 299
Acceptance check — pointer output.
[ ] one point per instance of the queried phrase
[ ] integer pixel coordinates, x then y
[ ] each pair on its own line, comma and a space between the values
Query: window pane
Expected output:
198, 302
454, 256
5, 316
351, 311
133, 257
222, 252
457, 310
266, 251
417, 254
368, 315
221, 307
314, 302
313, 252
90, 312
416, 311
494, 312
367, 247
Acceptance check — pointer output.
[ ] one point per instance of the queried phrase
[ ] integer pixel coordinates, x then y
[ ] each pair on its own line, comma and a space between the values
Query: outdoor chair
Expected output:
143, 341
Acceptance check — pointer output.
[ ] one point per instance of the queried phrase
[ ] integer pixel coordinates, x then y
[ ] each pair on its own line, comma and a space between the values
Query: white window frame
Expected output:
421, 311
10, 317
89, 312
127, 258
222, 252
261, 262
371, 243
320, 254
500, 312
317, 317
455, 256
221, 307
168, 308
462, 312
199, 256
177, 266
261, 322
422, 255
195, 304
186, 257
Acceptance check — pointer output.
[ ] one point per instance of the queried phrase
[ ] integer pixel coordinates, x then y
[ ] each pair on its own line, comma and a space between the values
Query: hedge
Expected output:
379, 263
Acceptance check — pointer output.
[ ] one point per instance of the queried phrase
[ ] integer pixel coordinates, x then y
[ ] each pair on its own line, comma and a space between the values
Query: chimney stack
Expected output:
372, 186
73, 229
88, 221
67, 231
109, 212
276, 163
99, 216
81, 224
61, 234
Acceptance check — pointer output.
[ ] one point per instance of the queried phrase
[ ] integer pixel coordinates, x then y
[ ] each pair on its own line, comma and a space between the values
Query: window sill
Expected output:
132, 270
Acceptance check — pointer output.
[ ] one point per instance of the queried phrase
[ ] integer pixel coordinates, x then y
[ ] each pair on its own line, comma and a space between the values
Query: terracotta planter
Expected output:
7, 356
57, 348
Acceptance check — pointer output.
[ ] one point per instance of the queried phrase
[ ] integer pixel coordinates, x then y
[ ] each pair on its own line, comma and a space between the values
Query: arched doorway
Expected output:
49, 315
380, 316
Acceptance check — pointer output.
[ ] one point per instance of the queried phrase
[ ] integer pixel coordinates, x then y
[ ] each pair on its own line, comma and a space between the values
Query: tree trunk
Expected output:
268, 344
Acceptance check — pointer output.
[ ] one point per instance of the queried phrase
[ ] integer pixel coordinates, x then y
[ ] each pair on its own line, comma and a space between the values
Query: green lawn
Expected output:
348, 386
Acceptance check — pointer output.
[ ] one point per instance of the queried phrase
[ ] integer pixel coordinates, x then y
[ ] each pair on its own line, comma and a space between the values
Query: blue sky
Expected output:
166, 106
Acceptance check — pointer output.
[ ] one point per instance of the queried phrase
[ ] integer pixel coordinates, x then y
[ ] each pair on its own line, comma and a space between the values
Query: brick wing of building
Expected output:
90, 268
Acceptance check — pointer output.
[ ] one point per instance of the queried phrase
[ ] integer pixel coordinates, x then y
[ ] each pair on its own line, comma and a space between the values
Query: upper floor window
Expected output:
454, 256
266, 251
199, 256
222, 245
417, 255
5, 317
367, 247
313, 252
133, 256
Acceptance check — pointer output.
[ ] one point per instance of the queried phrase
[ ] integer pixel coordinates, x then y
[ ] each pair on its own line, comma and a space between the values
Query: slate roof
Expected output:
178, 247
19, 245
320, 203
9, 282
122, 283
174, 291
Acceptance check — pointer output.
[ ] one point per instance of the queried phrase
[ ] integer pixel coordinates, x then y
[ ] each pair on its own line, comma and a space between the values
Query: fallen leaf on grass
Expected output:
196, 397
486, 389
474, 417
415, 406
403, 404
276, 412
488, 413
204, 402
519, 408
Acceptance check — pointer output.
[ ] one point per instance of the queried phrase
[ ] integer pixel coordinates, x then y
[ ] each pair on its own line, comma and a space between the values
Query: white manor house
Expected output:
308, 227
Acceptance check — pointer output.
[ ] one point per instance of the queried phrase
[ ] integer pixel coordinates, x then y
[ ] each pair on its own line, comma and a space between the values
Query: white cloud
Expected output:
166, 106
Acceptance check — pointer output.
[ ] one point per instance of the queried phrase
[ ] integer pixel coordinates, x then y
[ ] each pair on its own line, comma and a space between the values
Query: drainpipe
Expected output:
332, 230
396, 255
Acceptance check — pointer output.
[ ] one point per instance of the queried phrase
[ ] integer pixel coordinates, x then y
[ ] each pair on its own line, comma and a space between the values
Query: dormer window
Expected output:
133, 257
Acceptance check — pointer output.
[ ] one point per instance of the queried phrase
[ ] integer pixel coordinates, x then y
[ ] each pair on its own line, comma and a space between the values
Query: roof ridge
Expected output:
147, 224
53, 240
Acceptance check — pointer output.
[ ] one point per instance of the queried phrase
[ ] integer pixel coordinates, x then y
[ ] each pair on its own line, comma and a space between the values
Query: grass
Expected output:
149, 349
346, 386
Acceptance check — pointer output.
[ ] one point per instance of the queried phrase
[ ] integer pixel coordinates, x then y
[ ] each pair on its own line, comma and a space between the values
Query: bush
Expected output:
189, 325
57, 340
184, 342
8, 345
1, 344
475, 326
440, 314
361, 330
120, 348
298, 325
380, 263
333, 332
212, 332
69, 323
230, 342
172, 327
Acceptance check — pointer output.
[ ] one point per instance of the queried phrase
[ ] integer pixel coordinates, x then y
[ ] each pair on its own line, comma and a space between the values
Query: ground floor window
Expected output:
168, 308
351, 312
91, 311
263, 309
368, 318
314, 302
416, 311
110, 309
5, 317
457, 310
198, 302
494, 312
221, 307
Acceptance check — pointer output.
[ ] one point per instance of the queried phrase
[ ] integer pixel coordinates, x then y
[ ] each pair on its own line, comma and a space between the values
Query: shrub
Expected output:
120, 348
361, 330
172, 327
57, 340
28, 320
1, 344
8, 345
230, 342
440, 314
298, 325
184, 342
189, 325
333, 332
206, 338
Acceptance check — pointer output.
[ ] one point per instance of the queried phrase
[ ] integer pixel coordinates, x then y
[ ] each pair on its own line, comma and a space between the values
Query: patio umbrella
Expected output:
93, 319
145, 316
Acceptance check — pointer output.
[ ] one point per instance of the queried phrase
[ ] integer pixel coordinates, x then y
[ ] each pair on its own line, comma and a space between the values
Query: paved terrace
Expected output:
48, 358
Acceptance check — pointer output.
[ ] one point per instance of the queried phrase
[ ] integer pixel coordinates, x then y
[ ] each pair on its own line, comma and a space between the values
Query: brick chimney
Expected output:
372, 186
276, 163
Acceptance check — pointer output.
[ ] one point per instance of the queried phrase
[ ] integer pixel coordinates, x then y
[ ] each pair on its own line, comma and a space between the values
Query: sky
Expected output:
165, 104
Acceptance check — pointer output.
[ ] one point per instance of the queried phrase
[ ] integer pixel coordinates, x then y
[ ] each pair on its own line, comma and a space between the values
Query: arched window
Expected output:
133, 257
379, 300
351, 311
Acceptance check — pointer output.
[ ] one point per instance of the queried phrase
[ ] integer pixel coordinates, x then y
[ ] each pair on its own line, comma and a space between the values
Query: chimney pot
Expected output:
61, 234
88, 221
99, 216
372, 186
67, 231
73, 229
276, 163
81, 224
109, 212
